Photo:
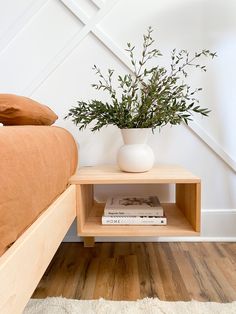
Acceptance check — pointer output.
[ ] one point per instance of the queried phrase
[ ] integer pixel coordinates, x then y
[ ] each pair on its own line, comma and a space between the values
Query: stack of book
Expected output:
133, 210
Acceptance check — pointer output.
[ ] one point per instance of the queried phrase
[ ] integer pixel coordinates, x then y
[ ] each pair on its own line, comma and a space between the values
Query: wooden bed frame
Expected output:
25, 262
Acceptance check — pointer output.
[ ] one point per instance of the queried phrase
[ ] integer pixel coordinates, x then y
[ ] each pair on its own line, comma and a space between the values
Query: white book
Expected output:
133, 206
134, 220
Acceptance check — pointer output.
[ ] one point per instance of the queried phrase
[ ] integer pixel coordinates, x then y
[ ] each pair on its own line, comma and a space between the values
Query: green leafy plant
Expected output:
150, 97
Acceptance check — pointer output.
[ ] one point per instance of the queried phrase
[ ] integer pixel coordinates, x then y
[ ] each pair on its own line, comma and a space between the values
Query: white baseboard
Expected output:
218, 225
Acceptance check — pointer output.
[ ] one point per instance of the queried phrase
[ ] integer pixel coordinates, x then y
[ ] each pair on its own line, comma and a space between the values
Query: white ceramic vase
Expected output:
135, 155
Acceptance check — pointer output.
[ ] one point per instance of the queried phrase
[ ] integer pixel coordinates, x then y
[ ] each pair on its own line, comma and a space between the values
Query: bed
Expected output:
37, 206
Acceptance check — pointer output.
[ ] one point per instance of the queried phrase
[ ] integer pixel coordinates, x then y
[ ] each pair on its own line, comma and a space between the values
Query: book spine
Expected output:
133, 212
134, 220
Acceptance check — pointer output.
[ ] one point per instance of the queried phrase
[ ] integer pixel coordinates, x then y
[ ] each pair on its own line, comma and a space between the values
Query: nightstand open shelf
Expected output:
177, 225
183, 216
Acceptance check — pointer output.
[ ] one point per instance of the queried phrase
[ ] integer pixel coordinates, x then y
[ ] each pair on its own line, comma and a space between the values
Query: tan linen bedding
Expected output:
35, 165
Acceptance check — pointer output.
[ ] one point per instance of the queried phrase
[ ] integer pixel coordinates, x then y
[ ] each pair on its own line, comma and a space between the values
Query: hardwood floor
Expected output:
130, 271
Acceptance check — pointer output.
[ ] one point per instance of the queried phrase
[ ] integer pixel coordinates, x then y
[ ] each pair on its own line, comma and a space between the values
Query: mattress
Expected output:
36, 163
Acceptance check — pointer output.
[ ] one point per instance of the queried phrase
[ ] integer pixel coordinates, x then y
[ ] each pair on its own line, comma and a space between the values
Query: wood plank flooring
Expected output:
131, 271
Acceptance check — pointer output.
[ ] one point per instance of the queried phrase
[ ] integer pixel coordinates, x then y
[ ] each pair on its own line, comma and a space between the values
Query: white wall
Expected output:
47, 50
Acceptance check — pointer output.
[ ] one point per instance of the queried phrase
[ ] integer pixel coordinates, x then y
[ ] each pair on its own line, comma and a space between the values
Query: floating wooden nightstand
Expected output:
183, 215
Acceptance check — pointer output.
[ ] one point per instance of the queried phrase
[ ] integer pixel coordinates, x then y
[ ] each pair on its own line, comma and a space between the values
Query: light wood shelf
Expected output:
177, 225
183, 216
110, 174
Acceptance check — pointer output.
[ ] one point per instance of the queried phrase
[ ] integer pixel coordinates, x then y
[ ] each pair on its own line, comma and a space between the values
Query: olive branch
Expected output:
150, 97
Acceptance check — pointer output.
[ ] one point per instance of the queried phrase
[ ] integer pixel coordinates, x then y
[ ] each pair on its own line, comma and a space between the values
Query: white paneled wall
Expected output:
47, 50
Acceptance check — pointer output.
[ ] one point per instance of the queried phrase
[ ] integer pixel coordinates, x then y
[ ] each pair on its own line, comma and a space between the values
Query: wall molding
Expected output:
215, 211
18, 25
214, 146
70, 46
98, 3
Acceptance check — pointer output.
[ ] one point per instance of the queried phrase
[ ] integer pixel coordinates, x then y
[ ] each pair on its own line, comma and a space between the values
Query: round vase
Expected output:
135, 155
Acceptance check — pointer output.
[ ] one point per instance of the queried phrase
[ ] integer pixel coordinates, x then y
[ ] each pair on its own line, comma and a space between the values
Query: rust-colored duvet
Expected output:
35, 165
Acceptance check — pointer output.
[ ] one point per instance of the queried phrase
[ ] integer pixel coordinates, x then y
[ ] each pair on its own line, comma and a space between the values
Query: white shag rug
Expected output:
145, 306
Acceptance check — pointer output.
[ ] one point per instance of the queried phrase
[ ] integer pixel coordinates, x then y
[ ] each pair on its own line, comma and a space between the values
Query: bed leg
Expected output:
88, 241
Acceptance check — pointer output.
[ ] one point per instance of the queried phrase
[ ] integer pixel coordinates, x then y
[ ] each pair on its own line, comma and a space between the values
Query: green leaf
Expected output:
149, 97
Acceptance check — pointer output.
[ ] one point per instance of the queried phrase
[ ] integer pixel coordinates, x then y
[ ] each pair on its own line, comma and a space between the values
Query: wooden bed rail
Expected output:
24, 263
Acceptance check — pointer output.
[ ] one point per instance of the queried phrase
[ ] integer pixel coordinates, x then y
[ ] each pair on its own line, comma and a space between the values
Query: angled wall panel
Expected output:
36, 45
11, 11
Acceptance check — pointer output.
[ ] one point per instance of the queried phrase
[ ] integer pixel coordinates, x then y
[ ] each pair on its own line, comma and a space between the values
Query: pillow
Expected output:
19, 110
